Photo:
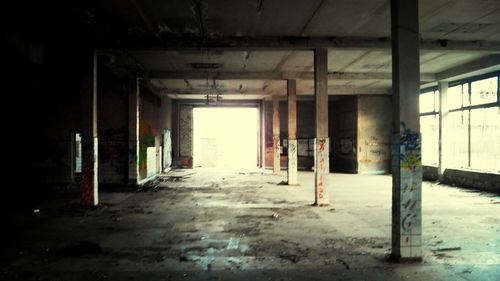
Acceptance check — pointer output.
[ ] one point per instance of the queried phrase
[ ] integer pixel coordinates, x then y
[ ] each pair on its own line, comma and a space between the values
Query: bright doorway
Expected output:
225, 137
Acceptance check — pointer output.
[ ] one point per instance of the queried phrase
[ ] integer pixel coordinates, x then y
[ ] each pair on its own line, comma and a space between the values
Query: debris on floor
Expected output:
344, 263
449, 248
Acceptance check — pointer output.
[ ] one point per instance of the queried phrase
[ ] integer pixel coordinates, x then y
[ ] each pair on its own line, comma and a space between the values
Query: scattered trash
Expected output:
81, 248
275, 216
467, 271
36, 211
203, 237
332, 210
451, 248
343, 262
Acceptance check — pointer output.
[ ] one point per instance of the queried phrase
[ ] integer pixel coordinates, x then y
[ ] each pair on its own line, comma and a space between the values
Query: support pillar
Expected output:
133, 132
321, 142
406, 155
276, 134
443, 114
292, 132
89, 131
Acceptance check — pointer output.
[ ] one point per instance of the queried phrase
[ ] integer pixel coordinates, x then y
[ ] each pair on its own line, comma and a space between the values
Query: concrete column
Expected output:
89, 131
406, 155
443, 114
276, 134
292, 132
321, 144
133, 132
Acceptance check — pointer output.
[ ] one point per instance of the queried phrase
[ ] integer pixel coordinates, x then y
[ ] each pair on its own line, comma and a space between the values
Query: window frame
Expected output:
465, 108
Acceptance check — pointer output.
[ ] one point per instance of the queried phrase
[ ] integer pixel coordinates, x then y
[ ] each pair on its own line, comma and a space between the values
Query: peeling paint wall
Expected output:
374, 134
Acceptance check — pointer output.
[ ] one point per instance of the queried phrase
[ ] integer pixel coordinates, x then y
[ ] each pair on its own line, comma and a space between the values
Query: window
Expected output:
474, 124
457, 139
484, 91
429, 126
485, 138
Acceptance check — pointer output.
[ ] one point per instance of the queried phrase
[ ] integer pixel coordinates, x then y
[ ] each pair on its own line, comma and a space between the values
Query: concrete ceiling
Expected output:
254, 73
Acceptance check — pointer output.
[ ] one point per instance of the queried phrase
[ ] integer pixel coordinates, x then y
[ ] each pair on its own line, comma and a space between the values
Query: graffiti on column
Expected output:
88, 186
292, 152
410, 152
276, 152
88, 172
322, 151
276, 143
411, 178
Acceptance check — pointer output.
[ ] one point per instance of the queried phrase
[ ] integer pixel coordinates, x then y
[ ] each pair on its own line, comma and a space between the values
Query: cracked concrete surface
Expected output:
207, 224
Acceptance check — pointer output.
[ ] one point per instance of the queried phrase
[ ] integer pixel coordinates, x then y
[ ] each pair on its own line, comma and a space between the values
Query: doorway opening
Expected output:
225, 137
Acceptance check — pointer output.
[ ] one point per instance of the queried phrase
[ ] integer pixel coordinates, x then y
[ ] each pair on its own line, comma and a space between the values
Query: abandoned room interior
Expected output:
251, 140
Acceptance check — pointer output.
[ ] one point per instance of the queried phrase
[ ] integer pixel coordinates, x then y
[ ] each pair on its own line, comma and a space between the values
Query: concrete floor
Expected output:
214, 225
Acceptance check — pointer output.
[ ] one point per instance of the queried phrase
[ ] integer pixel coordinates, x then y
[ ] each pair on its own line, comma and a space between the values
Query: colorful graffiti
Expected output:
410, 156
410, 182
147, 134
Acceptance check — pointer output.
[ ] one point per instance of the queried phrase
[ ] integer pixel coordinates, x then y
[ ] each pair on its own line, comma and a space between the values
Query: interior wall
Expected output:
153, 120
42, 88
343, 131
374, 134
113, 128
305, 130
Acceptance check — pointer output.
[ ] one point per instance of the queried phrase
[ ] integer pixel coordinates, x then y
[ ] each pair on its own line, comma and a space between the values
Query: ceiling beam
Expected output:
275, 75
332, 90
485, 64
303, 43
